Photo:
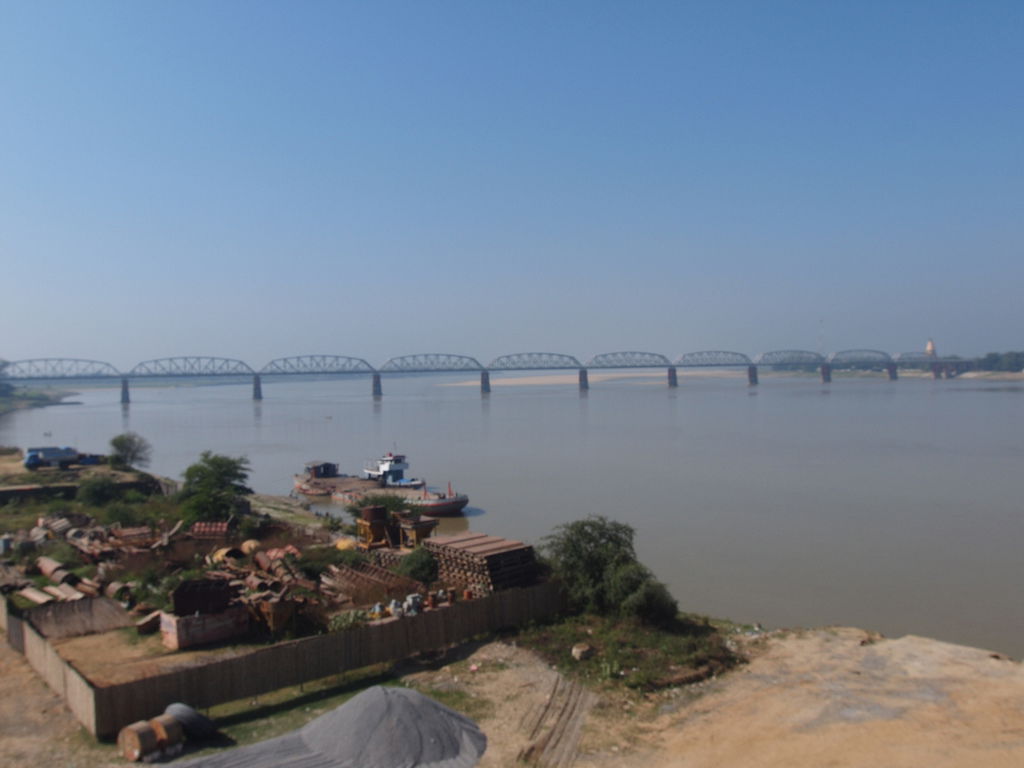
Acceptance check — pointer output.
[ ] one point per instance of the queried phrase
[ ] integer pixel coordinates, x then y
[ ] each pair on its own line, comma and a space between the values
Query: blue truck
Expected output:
51, 456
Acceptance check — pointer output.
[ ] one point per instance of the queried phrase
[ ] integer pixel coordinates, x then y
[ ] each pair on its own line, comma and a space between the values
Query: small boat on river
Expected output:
385, 475
440, 504
389, 472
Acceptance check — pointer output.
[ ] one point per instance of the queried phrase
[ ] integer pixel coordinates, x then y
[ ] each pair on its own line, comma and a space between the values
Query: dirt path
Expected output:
36, 727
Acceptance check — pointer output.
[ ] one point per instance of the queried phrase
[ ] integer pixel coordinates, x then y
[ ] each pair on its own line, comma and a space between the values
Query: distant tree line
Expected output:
1002, 361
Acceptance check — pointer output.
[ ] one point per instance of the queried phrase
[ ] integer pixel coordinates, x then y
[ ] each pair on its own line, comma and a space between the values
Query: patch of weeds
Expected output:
130, 635
628, 653
461, 700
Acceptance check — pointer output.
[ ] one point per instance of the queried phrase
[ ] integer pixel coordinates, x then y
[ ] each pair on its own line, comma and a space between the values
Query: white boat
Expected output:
389, 472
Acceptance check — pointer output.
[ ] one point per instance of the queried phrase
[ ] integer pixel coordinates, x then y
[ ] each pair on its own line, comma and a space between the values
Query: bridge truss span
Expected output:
714, 358
534, 361
309, 364
922, 359
431, 362
629, 360
860, 357
166, 367
789, 357
59, 368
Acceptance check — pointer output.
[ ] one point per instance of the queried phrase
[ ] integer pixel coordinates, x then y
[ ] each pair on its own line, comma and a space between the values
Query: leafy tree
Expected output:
389, 501
213, 485
583, 552
130, 450
419, 565
214, 471
596, 561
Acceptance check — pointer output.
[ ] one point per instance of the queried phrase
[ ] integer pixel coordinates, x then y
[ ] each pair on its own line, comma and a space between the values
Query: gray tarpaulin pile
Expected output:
379, 728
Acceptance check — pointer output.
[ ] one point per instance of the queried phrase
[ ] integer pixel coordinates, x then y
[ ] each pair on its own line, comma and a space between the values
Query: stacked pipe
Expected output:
487, 562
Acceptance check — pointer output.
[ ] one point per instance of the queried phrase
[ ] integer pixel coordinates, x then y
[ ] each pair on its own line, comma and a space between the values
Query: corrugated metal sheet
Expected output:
209, 530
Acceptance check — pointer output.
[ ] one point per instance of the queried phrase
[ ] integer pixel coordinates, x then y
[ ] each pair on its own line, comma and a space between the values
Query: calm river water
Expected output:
893, 506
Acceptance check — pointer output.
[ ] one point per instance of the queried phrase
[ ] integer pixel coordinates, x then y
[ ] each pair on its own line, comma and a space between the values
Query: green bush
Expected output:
315, 560
347, 620
125, 514
419, 565
624, 580
595, 560
651, 603
97, 491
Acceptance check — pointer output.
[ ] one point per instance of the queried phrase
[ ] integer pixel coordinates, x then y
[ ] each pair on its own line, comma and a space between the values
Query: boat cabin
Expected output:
321, 469
391, 467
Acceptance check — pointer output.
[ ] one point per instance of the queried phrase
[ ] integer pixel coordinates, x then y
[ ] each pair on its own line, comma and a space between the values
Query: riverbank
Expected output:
30, 398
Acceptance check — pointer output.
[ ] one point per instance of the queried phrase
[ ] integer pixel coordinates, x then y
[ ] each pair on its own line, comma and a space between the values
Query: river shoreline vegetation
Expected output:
17, 398
1003, 362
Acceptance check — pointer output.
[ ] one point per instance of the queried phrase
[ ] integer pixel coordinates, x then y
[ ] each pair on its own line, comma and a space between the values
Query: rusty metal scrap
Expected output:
11, 579
141, 535
365, 584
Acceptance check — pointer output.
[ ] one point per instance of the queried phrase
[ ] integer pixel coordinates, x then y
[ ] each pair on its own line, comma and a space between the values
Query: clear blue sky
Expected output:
254, 180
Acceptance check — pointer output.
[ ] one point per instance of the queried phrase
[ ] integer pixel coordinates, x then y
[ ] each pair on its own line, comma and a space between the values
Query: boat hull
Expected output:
441, 507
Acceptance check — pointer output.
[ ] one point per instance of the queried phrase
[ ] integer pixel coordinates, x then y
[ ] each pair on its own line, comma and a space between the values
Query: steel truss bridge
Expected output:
70, 369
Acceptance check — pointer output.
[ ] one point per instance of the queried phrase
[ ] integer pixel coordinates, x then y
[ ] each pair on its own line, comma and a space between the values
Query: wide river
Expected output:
892, 506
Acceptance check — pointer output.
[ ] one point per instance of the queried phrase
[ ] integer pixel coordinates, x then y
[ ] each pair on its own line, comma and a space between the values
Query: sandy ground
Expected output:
829, 697
839, 697
10, 464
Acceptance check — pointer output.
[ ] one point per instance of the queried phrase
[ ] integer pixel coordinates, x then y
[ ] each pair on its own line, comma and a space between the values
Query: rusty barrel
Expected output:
137, 740
117, 590
169, 732
262, 561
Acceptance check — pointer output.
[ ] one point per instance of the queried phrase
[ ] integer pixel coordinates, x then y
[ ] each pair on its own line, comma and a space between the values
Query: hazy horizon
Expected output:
259, 180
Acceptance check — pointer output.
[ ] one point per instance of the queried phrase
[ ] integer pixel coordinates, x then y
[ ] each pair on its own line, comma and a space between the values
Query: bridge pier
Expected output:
826, 373
936, 371
125, 398
584, 381
752, 375
673, 377
485, 382
377, 390
257, 387
891, 369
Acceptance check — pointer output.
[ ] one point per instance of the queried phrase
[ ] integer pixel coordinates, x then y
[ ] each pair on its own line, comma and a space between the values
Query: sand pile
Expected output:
379, 728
